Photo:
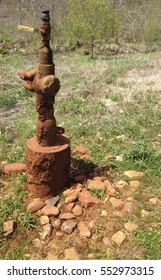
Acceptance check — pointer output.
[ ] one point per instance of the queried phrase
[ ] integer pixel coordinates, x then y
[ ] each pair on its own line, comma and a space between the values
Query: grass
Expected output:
96, 104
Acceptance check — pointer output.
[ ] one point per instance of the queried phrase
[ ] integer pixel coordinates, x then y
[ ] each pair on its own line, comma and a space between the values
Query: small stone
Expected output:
3, 162
98, 179
71, 254
44, 220
68, 226
134, 184
97, 169
96, 237
133, 174
130, 226
95, 184
110, 252
77, 210
92, 225
120, 157
47, 230
66, 216
129, 207
83, 230
76, 188
56, 224
37, 242
50, 210
121, 184
35, 205
59, 233
153, 200
69, 206
109, 188
60, 205
118, 214
119, 237
9, 227
16, 167
87, 199
53, 201
130, 198
80, 178
144, 213
91, 256
107, 157
116, 202
51, 256
80, 150
104, 213
107, 241
71, 198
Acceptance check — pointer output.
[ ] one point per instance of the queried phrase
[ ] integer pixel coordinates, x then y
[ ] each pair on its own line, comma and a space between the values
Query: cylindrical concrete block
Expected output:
47, 167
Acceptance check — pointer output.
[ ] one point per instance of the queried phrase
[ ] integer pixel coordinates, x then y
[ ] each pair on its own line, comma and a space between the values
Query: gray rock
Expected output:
68, 226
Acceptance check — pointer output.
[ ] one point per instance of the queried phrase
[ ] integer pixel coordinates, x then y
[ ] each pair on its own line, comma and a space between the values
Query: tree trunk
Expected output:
92, 47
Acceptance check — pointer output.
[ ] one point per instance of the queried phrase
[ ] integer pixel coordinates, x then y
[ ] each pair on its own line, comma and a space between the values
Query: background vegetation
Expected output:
110, 104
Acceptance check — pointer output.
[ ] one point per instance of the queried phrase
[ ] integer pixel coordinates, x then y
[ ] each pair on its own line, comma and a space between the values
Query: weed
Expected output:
151, 241
100, 193
28, 221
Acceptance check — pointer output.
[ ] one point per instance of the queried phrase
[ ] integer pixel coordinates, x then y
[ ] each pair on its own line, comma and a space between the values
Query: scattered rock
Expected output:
66, 216
120, 158
144, 213
153, 200
77, 210
92, 225
51, 256
74, 189
69, 206
107, 241
56, 224
97, 169
118, 214
35, 205
3, 162
68, 226
130, 226
98, 178
59, 233
104, 213
95, 184
91, 256
110, 252
119, 237
37, 242
71, 254
87, 199
96, 237
133, 174
116, 202
44, 220
121, 184
80, 178
16, 167
71, 198
83, 230
129, 207
47, 230
9, 227
84, 152
109, 188
60, 205
107, 157
53, 201
50, 210
134, 184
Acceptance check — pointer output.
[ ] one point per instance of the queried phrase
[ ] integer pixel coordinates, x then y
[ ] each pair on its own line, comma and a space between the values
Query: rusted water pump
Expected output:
47, 153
